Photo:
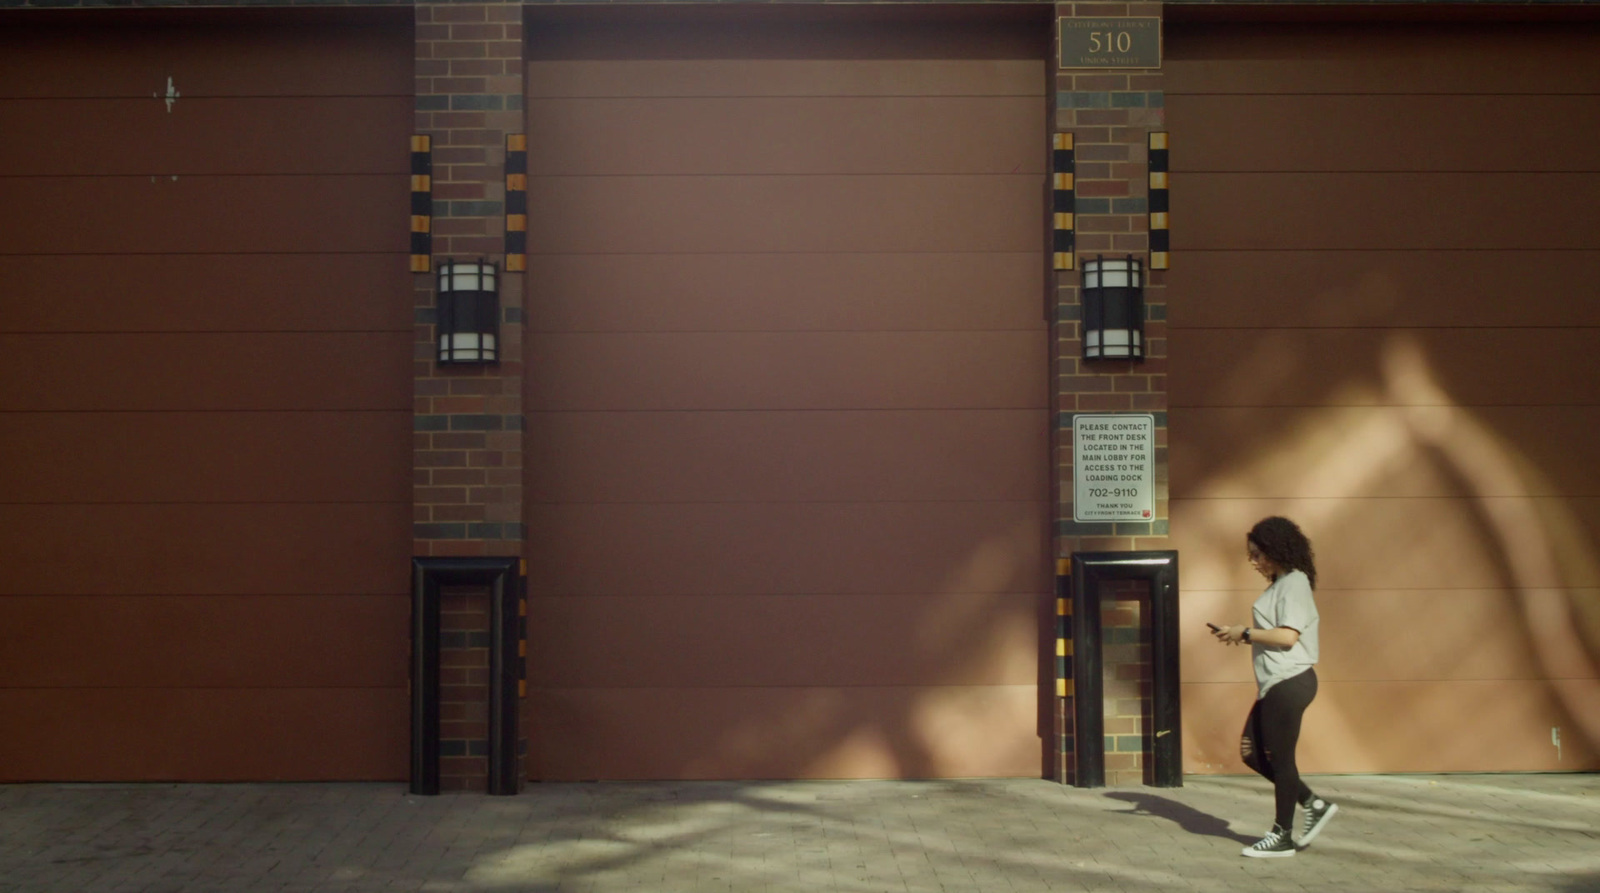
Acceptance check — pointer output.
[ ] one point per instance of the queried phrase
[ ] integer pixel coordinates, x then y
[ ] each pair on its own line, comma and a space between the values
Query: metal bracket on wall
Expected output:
516, 202
1160, 228
1160, 568
421, 204
507, 631
1063, 202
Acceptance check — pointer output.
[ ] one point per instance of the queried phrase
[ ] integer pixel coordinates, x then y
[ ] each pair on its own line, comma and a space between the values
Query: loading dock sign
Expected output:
1113, 467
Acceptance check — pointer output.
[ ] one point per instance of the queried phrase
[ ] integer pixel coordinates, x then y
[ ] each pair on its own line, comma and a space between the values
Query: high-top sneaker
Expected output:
1275, 845
1318, 812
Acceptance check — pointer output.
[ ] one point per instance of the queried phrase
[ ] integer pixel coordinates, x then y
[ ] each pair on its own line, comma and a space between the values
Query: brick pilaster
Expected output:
1110, 113
468, 421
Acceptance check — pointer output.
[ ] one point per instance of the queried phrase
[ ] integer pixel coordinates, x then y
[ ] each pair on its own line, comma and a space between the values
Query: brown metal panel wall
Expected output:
1384, 58
1357, 211
1378, 328
787, 409
214, 136
288, 214
800, 213
1541, 436
762, 370
124, 293
239, 54
813, 547
737, 731
705, 640
887, 455
203, 733
84, 547
851, 292
1368, 365
170, 642
204, 483
196, 457
1357, 289
1471, 133
733, 138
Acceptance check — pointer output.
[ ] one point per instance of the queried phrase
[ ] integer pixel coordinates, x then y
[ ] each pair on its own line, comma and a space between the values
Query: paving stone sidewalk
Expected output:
1395, 833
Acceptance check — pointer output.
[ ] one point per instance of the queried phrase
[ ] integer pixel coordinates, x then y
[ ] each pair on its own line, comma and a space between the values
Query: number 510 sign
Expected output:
1110, 43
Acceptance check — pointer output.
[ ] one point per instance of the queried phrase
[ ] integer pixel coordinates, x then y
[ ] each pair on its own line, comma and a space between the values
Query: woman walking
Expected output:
1282, 636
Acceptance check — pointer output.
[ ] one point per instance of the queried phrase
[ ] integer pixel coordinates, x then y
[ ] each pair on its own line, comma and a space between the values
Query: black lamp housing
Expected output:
469, 312
1113, 309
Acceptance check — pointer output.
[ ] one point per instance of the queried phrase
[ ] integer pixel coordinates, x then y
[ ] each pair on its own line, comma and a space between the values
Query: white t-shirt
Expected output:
1287, 602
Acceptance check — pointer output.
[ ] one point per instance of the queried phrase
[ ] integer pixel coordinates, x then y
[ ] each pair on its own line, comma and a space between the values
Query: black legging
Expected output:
1274, 725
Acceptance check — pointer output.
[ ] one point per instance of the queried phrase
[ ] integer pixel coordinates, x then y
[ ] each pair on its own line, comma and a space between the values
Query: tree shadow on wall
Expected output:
1186, 817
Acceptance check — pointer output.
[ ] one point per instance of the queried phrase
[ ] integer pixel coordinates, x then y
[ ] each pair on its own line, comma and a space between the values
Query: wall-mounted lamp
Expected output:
469, 312
1113, 309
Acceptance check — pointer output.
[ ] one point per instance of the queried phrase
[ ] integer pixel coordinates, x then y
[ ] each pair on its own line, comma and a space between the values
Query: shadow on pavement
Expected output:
1187, 817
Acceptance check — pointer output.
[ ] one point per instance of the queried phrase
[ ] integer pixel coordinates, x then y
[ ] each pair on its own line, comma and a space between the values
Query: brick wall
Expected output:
468, 420
1125, 649
463, 689
1110, 114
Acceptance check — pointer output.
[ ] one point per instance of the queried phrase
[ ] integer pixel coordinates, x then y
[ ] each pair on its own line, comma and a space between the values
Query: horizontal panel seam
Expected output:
395, 410
530, 97
1386, 590
1039, 408
1380, 498
1180, 407
954, 252
410, 330
1039, 329
196, 502
535, 687
1324, 677
1028, 175
1403, 250
205, 595
759, 502
9, 688
1363, 94
187, 97
1374, 328
1042, 593
1020, 410
1407, 171
398, 172
321, 252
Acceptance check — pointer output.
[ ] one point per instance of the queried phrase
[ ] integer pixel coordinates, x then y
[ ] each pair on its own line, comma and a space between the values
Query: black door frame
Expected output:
507, 632
1089, 569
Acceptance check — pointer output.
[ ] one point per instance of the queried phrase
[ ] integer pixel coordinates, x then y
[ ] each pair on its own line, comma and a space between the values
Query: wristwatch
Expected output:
1245, 636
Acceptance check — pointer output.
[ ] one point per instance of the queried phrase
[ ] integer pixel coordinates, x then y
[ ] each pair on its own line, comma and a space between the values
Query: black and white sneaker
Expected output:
1275, 845
1318, 812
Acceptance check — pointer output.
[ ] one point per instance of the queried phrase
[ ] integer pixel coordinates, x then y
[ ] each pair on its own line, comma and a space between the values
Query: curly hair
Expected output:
1281, 540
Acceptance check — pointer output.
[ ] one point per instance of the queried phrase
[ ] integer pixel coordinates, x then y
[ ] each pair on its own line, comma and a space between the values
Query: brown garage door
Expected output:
1383, 325
787, 400
204, 477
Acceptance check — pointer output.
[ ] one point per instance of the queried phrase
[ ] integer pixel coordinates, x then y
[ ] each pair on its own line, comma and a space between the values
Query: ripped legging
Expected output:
1270, 736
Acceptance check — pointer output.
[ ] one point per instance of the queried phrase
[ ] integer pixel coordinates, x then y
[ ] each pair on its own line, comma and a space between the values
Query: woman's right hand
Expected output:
1229, 635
